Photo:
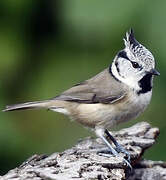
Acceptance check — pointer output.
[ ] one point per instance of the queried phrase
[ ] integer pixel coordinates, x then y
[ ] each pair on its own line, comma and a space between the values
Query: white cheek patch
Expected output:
124, 67
131, 82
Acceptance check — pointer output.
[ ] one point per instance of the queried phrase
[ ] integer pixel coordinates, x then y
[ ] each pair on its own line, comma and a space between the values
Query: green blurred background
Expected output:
46, 46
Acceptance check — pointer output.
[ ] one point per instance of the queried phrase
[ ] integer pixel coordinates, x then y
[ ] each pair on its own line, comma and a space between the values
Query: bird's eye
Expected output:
135, 64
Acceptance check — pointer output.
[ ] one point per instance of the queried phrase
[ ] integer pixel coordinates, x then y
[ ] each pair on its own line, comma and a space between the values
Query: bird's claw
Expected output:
107, 153
120, 149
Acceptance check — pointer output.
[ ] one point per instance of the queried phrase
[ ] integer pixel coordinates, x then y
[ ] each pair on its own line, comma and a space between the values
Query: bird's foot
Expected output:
106, 152
100, 133
120, 149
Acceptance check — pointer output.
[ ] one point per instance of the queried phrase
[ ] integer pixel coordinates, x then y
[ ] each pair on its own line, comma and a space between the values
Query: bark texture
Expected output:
82, 162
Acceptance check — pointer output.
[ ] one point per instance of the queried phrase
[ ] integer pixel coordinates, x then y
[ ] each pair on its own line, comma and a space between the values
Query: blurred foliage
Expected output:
46, 46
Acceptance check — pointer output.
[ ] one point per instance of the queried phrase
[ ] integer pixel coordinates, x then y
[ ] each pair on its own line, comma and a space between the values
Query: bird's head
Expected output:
133, 62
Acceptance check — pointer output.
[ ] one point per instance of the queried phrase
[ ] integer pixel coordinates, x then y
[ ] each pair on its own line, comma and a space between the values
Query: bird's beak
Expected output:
154, 72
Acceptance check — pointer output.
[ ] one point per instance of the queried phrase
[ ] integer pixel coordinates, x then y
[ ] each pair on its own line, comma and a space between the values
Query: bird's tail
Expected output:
28, 105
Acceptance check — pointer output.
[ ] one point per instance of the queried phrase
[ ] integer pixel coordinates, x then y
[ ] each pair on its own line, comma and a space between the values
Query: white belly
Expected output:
108, 115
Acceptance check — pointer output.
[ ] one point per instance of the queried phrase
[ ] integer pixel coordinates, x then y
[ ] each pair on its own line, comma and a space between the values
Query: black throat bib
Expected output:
145, 84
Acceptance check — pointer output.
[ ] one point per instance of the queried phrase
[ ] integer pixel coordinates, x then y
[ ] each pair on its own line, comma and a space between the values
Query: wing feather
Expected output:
102, 88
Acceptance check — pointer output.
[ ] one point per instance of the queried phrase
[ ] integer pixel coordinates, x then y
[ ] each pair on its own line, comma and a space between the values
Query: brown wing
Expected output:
102, 88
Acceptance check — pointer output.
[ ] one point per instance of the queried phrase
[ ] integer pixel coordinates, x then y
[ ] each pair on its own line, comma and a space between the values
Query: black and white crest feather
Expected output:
130, 39
137, 49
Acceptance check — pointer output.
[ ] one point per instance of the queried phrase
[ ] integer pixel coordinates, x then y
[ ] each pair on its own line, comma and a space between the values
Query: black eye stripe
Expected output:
123, 54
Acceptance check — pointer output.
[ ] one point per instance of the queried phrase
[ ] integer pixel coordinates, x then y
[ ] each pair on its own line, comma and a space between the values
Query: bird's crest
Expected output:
130, 40
136, 49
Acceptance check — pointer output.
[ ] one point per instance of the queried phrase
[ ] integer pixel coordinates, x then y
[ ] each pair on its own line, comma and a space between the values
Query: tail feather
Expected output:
28, 105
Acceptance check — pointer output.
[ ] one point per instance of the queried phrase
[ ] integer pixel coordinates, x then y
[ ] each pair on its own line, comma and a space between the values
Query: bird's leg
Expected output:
119, 148
100, 133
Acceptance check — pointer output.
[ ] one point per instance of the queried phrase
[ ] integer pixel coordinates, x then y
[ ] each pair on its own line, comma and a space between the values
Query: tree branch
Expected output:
82, 162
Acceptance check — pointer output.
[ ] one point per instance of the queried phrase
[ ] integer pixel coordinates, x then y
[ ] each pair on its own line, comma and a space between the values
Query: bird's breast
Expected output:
109, 115
132, 106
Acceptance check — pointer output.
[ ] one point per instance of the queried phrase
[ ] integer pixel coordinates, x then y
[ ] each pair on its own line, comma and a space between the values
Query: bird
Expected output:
119, 93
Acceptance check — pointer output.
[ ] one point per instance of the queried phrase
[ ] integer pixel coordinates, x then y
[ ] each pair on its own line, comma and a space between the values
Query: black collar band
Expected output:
110, 71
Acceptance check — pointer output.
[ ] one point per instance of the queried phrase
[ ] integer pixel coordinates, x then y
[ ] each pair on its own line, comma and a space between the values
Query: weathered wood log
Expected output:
82, 162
